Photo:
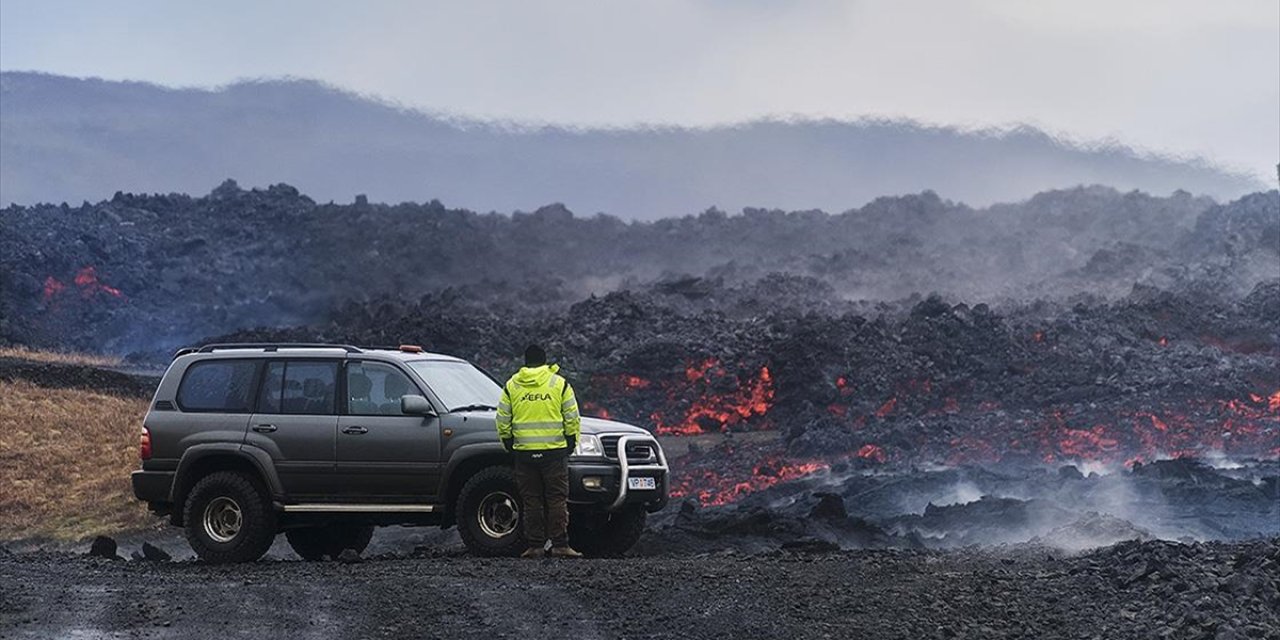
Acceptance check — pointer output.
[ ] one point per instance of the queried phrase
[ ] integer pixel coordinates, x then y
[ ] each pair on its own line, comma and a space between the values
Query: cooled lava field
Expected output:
1131, 590
911, 419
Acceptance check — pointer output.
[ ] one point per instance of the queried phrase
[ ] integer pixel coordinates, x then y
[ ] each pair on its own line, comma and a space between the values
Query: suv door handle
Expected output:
355, 430
264, 428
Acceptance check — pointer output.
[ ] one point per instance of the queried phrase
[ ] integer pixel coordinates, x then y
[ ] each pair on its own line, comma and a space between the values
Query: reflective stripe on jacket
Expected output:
538, 409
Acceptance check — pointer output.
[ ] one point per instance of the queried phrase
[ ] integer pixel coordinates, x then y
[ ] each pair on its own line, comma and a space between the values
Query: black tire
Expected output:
606, 534
214, 539
314, 543
491, 487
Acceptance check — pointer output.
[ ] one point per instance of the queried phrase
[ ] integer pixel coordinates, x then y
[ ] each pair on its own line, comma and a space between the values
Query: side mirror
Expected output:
413, 405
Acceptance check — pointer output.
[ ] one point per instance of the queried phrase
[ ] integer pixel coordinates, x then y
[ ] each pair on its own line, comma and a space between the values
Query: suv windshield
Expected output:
458, 384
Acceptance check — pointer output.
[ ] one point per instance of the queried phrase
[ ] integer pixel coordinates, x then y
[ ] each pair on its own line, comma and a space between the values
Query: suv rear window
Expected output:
218, 385
299, 387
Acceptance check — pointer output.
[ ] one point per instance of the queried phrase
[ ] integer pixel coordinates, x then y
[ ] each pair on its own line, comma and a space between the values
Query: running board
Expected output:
359, 508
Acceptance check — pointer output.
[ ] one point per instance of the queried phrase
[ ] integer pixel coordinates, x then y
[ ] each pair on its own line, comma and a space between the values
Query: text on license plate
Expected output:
642, 483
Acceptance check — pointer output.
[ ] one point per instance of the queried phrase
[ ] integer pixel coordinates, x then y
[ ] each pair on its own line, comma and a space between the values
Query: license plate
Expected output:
642, 483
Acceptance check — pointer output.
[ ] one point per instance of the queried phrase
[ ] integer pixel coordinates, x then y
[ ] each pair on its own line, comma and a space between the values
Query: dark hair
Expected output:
534, 356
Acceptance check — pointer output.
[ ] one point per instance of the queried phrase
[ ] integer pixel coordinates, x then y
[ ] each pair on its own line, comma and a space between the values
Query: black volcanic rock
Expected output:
830, 507
154, 553
103, 547
810, 545
153, 272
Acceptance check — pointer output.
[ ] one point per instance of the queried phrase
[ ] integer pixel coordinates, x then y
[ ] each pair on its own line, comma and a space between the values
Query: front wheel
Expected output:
607, 534
228, 518
488, 514
314, 543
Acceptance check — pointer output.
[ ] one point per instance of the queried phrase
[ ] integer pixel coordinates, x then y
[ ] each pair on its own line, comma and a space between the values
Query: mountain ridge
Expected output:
72, 139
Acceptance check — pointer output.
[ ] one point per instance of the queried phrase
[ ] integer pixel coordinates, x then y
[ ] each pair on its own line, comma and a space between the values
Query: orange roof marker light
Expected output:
410, 348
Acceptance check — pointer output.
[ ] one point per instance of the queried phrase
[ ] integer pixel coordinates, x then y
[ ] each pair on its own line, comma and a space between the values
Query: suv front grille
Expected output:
637, 452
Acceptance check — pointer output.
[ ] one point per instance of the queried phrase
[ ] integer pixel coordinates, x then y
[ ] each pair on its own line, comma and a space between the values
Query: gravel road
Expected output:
1131, 590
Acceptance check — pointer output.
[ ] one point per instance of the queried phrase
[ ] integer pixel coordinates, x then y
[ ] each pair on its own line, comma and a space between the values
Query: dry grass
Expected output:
60, 357
65, 458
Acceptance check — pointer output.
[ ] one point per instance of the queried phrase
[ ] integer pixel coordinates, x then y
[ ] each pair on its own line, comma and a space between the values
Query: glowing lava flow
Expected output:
711, 411
872, 452
1246, 427
592, 409
713, 489
887, 408
52, 287
897, 428
86, 281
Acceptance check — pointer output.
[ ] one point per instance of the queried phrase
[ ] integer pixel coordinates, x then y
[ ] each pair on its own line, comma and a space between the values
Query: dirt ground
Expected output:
1132, 590
65, 459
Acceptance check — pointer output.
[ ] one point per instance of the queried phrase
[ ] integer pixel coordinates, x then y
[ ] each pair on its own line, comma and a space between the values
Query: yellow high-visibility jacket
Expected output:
538, 409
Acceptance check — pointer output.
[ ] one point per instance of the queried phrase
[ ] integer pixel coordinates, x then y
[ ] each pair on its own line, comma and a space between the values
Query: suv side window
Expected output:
374, 388
299, 387
272, 386
224, 386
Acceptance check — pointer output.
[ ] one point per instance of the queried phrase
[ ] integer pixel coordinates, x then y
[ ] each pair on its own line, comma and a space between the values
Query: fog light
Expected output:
594, 483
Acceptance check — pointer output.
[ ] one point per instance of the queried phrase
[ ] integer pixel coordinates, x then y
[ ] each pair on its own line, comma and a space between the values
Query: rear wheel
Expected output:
228, 518
607, 534
314, 543
488, 513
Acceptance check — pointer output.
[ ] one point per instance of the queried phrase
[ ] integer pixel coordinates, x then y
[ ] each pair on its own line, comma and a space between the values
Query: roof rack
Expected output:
276, 346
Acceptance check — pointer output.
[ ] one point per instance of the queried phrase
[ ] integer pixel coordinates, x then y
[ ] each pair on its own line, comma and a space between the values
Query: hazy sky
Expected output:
1187, 77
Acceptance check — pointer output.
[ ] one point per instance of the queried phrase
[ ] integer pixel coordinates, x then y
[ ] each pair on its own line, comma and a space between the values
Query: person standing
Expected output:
538, 421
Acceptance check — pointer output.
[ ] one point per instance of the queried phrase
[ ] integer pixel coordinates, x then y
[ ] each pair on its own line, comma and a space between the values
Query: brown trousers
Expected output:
543, 481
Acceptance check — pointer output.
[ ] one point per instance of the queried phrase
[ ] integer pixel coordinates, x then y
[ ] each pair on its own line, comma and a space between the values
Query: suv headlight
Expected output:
588, 445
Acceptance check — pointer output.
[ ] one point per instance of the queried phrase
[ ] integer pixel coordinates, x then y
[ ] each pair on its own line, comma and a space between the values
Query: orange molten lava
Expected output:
52, 287
712, 489
716, 411
872, 452
86, 280
1086, 444
591, 408
887, 408
1248, 426
699, 372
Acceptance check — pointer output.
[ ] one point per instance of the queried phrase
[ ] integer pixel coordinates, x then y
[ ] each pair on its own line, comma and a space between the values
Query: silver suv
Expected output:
325, 442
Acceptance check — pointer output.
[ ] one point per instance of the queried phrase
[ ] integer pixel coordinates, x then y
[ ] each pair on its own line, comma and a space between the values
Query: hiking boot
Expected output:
533, 552
564, 551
